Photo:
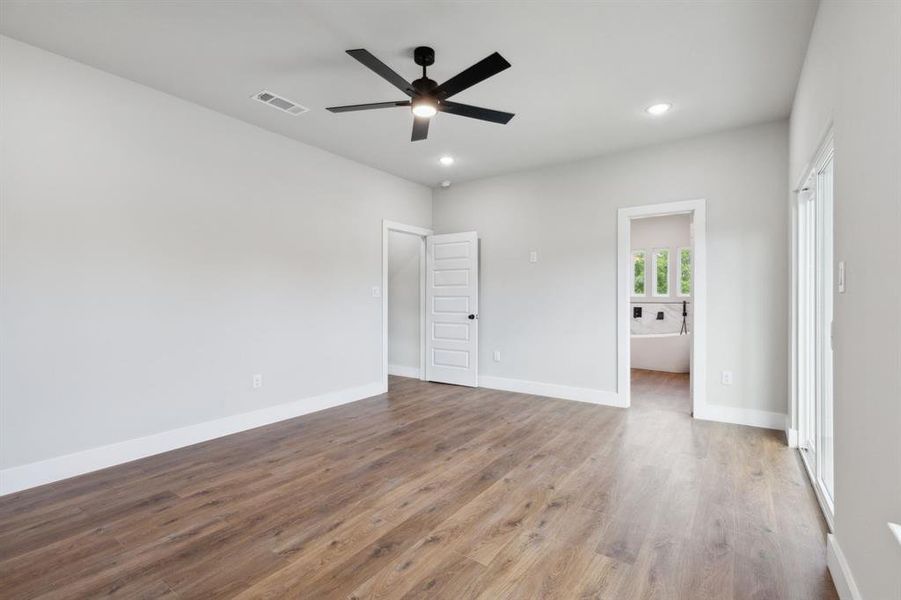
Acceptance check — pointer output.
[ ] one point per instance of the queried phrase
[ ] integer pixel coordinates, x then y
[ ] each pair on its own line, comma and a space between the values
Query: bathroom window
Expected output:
685, 271
660, 272
638, 272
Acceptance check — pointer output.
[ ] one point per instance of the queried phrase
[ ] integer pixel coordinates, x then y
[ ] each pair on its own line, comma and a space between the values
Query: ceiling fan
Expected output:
427, 98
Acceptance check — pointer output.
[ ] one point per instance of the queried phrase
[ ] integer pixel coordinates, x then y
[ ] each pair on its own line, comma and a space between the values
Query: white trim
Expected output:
791, 434
841, 573
422, 232
895, 528
698, 210
62, 467
551, 390
741, 416
825, 507
404, 371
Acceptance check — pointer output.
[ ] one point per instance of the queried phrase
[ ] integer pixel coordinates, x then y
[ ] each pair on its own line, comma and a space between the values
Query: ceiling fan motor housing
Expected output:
424, 56
424, 85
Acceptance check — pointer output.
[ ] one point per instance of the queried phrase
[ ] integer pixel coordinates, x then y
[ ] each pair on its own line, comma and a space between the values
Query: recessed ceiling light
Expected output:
658, 109
446, 160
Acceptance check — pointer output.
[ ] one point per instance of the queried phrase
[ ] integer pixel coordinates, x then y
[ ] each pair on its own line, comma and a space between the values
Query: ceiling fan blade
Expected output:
353, 107
420, 128
480, 71
475, 112
382, 70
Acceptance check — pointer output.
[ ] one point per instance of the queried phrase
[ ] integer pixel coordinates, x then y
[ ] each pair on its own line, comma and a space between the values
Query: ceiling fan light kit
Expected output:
424, 107
427, 97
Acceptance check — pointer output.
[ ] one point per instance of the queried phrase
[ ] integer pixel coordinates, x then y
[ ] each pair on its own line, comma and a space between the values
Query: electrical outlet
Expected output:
727, 378
257, 381
533, 256
497, 356
841, 277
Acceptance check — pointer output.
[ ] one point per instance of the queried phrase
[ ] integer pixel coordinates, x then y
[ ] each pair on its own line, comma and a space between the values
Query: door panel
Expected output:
452, 301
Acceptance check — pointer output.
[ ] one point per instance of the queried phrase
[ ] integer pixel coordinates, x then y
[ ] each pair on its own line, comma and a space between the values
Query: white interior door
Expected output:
452, 307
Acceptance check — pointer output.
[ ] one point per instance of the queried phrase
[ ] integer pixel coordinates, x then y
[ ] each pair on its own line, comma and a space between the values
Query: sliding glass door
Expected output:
814, 326
824, 329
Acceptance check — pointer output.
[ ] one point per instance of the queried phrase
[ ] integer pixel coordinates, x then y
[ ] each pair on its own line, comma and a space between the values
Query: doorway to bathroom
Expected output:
660, 302
661, 325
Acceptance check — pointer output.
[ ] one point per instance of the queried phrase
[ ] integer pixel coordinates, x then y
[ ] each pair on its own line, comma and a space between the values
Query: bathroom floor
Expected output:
659, 390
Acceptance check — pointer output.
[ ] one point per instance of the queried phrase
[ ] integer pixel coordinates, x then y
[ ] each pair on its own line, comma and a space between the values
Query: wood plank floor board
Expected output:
330, 519
299, 575
437, 491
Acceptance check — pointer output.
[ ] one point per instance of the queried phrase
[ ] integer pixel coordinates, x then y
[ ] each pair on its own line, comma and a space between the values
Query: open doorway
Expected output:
403, 300
661, 295
661, 312
404, 283
445, 270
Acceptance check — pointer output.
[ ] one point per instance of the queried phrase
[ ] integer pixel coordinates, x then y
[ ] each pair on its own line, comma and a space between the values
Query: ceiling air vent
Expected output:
280, 102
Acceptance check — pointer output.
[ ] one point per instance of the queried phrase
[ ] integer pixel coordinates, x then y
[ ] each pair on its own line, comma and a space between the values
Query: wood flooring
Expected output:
434, 491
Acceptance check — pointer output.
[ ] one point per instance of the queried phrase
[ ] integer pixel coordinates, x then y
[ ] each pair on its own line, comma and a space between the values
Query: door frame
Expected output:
698, 374
802, 325
421, 233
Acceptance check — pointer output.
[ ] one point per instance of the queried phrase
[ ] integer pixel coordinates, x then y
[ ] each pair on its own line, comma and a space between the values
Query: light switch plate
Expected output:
376, 291
841, 277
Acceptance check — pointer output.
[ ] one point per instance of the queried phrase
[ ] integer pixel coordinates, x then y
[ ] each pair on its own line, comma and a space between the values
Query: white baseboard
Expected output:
34, 474
791, 437
551, 390
841, 572
403, 371
741, 416
895, 528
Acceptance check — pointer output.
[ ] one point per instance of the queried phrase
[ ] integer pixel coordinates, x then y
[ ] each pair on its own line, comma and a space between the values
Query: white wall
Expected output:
555, 320
670, 354
156, 254
403, 303
672, 231
852, 78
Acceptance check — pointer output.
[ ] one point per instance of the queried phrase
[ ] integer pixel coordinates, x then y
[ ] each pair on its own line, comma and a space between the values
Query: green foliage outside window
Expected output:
685, 272
661, 261
638, 273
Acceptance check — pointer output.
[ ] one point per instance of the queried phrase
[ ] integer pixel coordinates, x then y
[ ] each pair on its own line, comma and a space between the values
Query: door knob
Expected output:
470, 317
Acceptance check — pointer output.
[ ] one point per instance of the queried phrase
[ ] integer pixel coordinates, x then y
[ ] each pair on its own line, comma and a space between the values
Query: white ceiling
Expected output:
582, 72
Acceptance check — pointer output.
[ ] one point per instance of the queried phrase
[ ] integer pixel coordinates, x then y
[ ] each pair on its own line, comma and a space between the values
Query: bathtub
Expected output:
668, 352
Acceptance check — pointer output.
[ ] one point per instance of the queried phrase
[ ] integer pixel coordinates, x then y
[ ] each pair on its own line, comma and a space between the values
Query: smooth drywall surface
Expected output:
156, 255
403, 300
656, 353
852, 79
554, 321
672, 231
